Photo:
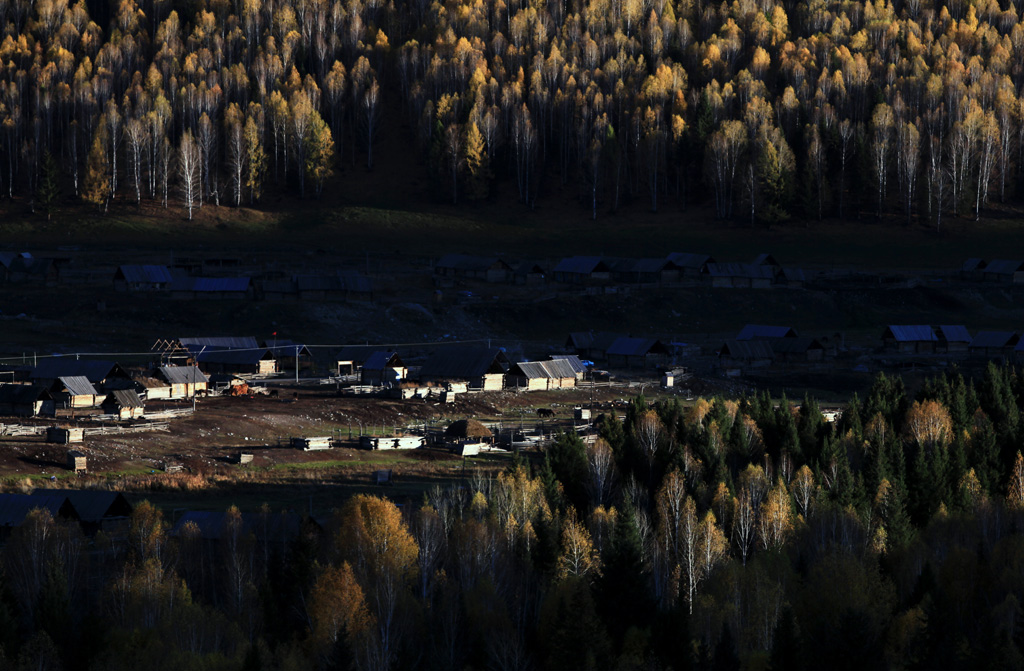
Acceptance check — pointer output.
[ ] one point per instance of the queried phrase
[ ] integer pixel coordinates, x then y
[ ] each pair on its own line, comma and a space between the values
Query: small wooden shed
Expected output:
62, 435
77, 462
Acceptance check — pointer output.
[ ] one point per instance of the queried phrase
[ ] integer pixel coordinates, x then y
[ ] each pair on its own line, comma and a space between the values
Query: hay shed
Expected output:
76, 462
467, 428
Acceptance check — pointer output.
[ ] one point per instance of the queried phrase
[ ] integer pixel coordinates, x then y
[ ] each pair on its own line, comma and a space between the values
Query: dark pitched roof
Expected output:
30, 266
135, 274
987, 339
15, 507
747, 349
1004, 266
92, 505
357, 353
912, 333
765, 260
762, 332
286, 347
582, 265
798, 345
381, 360
953, 334
7, 258
601, 340
211, 284
124, 398
636, 347
182, 374
686, 260
973, 264
220, 342
239, 357
457, 361
64, 366
23, 393
77, 385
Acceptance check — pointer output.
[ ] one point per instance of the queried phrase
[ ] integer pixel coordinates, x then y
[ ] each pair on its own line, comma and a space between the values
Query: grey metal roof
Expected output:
136, 274
747, 349
237, 357
761, 332
798, 345
183, 374
986, 339
381, 360
953, 333
582, 265
471, 263
228, 342
552, 369
973, 264
15, 507
1004, 266
745, 270
573, 361
78, 385
23, 393
125, 398
457, 361
92, 505
912, 333
687, 260
635, 347
61, 366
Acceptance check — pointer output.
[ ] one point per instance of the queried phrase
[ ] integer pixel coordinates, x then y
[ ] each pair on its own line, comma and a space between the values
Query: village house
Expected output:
124, 404
352, 357
290, 355
762, 332
142, 278
574, 362
104, 374
737, 355
14, 508
184, 381
644, 271
183, 351
691, 266
483, 268
541, 375
973, 269
741, 275
914, 339
582, 269
629, 352
257, 362
529, 272
24, 268
590, 345
383, 369
1008, 271
481, 367
75, 391
25, 400
990, 344
211, 288
97, 510
802, 349
151, 388
338, 286
951, 339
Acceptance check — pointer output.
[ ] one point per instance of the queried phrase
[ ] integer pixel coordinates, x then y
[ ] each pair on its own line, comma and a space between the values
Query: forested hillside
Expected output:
722, 535
765, 110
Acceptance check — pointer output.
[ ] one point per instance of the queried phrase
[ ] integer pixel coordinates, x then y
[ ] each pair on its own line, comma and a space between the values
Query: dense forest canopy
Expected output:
807, 109
719, 535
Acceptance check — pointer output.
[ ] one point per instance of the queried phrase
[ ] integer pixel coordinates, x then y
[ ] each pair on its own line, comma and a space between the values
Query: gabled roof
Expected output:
573, 361
15, 507
65, 366
953, 334
529, 268
77, 385
552, 369
7, 258
765, 260
601, 340
458, 361
741, 270
997, 339
357, 354
381, 360
973, 264
211, 284
636, 347
798, 345
30, 266
794, 274
92, 505
135, 274
237, 357
225, 342
582, 265
686, 260
913, 333
286, 348
747, 349
1004, 266
23, 393
124, 398
182, 374
471, 263
762, 332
